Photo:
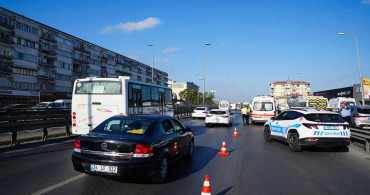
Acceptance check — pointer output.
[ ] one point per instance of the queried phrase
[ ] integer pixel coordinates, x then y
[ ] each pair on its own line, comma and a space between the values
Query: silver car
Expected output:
360, 117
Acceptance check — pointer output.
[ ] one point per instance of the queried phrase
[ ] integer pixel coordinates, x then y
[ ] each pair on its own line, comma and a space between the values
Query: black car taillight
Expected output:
142, 151
77, 146
310, 126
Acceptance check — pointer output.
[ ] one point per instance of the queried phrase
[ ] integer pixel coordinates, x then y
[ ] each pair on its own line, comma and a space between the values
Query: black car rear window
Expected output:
363, 110
218, 112
200, 108
124, 126
328, 118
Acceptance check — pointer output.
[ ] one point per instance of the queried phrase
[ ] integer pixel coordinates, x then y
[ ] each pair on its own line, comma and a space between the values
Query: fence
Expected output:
16, 120
362, 135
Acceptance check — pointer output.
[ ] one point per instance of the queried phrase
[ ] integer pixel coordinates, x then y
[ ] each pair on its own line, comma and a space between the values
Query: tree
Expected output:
189, 96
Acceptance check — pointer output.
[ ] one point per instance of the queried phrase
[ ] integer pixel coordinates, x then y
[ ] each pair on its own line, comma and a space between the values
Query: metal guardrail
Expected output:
16, 120
363, 135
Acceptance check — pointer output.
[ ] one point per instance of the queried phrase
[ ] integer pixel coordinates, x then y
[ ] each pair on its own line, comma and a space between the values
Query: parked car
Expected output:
360, 117
218, 117
200, 112
48, 105
308, 127
125, 146
65, 103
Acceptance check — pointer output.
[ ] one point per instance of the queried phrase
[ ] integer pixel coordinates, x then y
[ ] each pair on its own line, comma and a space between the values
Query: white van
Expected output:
263, 108
65, 103
224, 105
335, 104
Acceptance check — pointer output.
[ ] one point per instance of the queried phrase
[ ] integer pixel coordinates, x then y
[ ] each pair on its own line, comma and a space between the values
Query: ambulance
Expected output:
335, 104
263, 108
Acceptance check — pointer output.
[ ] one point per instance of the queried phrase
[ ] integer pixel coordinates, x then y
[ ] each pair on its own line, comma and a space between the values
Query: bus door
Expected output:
137, 100
161, 101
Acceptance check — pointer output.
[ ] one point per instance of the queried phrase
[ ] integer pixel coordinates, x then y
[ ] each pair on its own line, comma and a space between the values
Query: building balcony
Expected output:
49, 64
48, 38
10, 26
6, 57
82, 50
6, 41
51, 52
79, 61
5, 68
44, 77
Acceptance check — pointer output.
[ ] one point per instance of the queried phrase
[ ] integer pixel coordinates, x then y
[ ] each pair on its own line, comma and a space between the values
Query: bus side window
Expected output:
155, 96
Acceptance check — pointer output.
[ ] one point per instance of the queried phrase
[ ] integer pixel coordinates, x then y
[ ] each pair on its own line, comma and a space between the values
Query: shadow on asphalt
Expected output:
316, 149
179, 170
186, 167
225, 191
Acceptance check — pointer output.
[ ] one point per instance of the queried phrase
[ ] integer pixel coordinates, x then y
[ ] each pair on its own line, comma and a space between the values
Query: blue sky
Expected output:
257, 42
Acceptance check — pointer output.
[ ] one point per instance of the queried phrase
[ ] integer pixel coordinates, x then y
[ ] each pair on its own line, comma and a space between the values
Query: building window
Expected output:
5, 82
25, 57
26, 28
24, 71
63, 53
6, 51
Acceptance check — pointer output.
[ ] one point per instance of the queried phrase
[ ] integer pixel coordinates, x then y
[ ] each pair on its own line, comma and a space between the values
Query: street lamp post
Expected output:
204, 73
151, 45
226, 86
359, 67
301, 83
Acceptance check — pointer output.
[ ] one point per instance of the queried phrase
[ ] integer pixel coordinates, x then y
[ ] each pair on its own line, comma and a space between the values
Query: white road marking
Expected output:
59, 184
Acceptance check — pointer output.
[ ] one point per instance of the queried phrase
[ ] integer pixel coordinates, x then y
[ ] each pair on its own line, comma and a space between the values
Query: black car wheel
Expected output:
267, 134
161, 173
191, 149
293, 142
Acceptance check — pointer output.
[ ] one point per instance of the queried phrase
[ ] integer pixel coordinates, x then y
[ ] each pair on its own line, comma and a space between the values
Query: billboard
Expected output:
178, 86
366, 85
334, 93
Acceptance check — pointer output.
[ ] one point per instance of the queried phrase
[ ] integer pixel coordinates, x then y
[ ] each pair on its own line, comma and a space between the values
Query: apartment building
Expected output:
36, 59
284, 89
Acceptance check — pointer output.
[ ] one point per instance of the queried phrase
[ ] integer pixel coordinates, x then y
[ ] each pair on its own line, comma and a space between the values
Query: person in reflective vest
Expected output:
245, 114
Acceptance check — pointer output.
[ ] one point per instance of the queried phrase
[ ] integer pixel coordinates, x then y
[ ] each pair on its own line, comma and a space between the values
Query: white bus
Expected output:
96, 99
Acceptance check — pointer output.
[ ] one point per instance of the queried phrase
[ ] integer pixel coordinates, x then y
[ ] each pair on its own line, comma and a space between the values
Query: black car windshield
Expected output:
124, 126
328, 118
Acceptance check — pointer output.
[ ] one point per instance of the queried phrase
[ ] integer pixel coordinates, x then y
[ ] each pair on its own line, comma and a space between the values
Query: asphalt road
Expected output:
253, 167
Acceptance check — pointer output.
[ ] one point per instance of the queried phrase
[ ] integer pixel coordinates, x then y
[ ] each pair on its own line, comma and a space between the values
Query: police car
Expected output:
308, 127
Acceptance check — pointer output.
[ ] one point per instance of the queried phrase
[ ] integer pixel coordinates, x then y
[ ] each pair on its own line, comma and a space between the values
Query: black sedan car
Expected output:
133, 145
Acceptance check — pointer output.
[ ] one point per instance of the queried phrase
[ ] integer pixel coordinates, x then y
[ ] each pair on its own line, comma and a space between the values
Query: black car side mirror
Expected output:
273, 118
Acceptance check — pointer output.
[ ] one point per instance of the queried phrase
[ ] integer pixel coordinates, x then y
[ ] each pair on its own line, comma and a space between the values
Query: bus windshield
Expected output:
98, 87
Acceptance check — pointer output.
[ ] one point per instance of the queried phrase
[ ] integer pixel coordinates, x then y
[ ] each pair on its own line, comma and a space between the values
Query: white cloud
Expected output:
365, 2
169, 50
133, 26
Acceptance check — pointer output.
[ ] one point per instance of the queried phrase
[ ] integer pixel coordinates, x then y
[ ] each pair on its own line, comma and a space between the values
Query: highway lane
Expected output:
252, 167
270, 168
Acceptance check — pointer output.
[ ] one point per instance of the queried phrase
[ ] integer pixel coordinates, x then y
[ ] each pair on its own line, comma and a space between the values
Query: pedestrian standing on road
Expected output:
345, 112
248, 114
244, 112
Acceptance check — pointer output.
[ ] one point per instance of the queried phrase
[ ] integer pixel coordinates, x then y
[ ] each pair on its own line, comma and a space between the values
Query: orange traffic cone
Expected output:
175, 147
206, 187
223, 149
235, 133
